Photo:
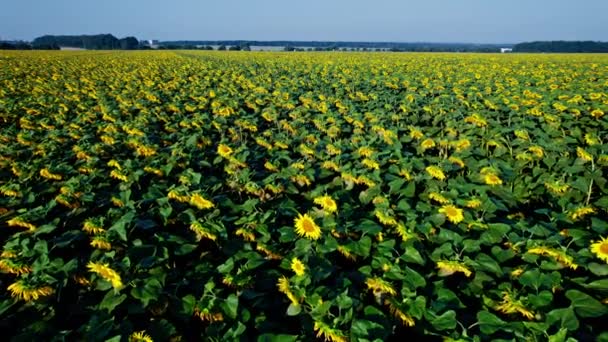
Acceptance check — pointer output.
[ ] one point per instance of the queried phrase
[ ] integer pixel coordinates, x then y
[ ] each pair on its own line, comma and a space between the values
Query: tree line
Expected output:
562, 46
110, 42
89, 42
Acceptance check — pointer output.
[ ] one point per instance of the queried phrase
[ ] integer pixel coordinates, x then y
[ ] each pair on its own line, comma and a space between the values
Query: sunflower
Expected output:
117, 175
405, 319
327, 203
581, 212
140, 336
379, 285
200, 202
202, 232
437, 197
100, 242
583, 155
306, 227
385, 218
415, 133
224, 150
370, 164
206, 316
456, 161
447, 268
298, 267
453, 213
49, 175
283, 286
28, 293
473, 203
557, 188
365, 151
19, 222
559, 255
509, 305
107, 273
328, 334
600, 249
492, 179
427, 143
597, 113
14, 267
537, 151
435, 172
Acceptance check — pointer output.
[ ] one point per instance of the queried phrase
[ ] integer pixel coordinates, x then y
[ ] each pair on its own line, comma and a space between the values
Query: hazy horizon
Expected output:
432, 21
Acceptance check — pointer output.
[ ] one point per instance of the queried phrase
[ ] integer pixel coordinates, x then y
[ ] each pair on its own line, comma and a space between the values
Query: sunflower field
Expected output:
276, 197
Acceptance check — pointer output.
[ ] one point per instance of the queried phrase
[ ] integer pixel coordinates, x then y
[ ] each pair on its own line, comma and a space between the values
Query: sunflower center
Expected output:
308, 226
604, 248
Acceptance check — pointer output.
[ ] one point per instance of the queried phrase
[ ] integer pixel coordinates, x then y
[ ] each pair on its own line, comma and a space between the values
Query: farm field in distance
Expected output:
269, 196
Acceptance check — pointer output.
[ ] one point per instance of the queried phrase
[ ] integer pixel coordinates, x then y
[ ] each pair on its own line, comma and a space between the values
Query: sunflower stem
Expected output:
590, 184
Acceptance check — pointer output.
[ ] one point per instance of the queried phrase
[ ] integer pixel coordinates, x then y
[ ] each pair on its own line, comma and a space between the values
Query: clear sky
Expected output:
476, 21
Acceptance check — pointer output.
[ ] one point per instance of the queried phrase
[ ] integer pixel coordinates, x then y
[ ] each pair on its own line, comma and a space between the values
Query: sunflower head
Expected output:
600, 249
298, 267
306, 227
452, 213
224, 150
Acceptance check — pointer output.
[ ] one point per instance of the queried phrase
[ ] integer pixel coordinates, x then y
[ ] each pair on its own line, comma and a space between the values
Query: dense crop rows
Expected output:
283, 197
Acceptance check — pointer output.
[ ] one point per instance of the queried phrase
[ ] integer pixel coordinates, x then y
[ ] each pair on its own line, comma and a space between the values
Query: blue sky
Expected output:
477, 21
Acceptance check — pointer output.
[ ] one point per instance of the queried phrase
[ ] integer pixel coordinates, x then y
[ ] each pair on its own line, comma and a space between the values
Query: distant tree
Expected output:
221, 48
562, 46
234, 48
129, 43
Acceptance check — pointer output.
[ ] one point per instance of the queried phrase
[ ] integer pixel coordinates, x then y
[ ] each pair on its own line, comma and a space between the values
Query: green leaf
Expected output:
597, 269
294, 310
277, 338
231, 306
119, 227
150, 291
490, 323
445, 321
111, 300
188, 305
560, 336
395, 185
412, 255
584, 305
7, 304
531, 278
599, 285
234, 333
413, 278
487, 263
566, 318
410, 190
542, 299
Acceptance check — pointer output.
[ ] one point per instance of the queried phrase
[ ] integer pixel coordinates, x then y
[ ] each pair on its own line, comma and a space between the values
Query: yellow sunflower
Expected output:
492, 179
435, 172
107, 273
453, 213
600, 249
224, 150
20, 290
327, 203
200, 202
306, 227
298, 267
140, 336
